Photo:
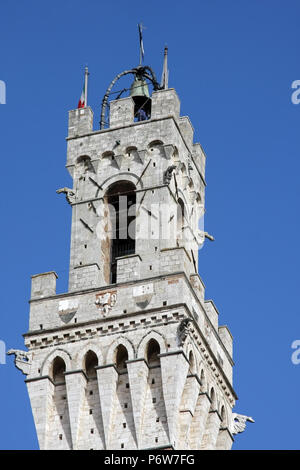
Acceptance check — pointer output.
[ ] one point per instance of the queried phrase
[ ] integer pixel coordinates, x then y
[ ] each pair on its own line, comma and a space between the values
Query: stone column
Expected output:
40, 392
209, 439
75, 384
199, 420
174, 368
107, 377
138, 372
225, 439
187, 410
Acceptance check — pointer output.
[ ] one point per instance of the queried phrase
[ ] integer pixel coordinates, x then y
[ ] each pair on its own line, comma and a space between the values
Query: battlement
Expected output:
43, 285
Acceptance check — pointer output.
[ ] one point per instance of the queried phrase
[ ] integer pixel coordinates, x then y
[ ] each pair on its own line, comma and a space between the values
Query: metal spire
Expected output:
142, 52
86, 75
165, 72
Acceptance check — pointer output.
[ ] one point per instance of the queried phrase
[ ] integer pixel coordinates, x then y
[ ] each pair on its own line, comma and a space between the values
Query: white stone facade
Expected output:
141, 362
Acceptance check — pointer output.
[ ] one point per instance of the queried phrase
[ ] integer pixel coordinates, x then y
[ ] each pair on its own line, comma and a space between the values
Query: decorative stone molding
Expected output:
106, 301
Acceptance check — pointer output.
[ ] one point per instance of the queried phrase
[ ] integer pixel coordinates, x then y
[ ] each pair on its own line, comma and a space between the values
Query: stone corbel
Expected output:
142, 155
183, 330
169, 150
119, 160
168, 174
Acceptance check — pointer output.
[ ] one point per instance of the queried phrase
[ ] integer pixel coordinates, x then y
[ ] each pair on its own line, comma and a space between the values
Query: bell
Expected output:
142, 102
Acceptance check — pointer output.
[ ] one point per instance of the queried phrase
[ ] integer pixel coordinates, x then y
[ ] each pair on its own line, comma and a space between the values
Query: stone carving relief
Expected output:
22, 361
70, 194
106, 301
168, 174
238, 423
183, 330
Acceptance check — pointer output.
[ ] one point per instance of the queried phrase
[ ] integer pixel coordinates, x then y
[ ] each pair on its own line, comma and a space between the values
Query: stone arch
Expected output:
224, 417
132, 155
182, 217
121, 358
121, 233
128, 176
152, 352
213, 397
183, 197
83, 158
47, 363
83, 164
192, 362
108, 154
120, 351
154, 411
203, 380
90, 364
110, 357
90, 346
129, 149
155, 143
57, 370
142, 346
155, 149
191, 355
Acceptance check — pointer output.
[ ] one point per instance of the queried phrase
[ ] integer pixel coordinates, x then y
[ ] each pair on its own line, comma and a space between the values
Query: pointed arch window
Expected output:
121, 200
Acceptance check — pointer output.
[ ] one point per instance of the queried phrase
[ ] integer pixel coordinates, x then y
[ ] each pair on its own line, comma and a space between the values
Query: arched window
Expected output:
213, 399
223, 416
192, 363
180, 219
90, 362
203, 381
58, 370
153, 350
121, 200
121, 358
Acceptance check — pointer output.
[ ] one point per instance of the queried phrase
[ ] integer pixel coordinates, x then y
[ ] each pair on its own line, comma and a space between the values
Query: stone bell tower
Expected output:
132, 356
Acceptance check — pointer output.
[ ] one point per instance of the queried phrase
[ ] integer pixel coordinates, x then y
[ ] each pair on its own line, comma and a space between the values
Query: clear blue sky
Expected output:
232, 63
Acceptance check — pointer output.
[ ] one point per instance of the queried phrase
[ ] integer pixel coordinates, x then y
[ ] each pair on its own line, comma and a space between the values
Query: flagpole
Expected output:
165, 83
140, 28
86, 74
140, 41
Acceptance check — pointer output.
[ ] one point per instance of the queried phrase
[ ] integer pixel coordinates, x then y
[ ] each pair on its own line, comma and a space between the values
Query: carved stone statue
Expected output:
183, 330
238, 424
168, 174
70, 195
22, 361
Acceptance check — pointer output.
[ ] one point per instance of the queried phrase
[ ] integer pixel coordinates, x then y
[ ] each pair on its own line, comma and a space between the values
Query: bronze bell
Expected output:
142, 102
